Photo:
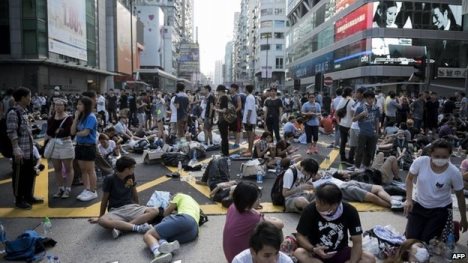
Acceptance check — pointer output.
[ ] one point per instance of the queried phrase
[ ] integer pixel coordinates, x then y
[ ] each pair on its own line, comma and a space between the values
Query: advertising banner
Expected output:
342, 4
189, 52
67, 28
356, 21
124, 40
309, 68
455, 73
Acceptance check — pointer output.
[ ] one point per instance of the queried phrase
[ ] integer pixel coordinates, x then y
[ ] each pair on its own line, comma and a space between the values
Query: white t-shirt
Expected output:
336, 102
355, 124
435, 190
250, 105
348, 118
288, 179
101, 104
246, 257
173, 110
110, 148
328, 179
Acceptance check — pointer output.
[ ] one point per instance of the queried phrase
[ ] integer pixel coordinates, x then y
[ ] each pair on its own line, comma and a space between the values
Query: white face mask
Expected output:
440, 162
421, 254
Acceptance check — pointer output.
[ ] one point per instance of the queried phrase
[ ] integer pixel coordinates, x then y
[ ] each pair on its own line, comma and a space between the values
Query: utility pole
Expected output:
131, 36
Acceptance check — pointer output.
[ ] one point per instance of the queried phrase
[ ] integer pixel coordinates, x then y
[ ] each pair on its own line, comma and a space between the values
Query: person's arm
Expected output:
299, 189
169, 209
356, 250
104, 203
462, 208
280, 109
239, 104
304, 242
135, 196
275, 221
409, 193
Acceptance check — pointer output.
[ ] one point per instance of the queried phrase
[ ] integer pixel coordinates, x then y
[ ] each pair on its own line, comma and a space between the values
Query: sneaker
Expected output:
88, 196
81, 194
144, 228
331, 146
351, 168
396, 205
66, 194
397, 197
59, 193
169, 247
162, 258
115, 233
23, 205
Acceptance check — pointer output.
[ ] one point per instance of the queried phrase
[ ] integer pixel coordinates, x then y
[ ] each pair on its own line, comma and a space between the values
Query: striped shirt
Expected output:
24, 137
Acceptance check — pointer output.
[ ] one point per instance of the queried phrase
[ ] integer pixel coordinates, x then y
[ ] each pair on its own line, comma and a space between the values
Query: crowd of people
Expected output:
374, 133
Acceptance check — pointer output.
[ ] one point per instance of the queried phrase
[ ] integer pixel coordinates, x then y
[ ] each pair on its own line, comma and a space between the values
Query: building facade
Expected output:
218, 74
228, 66
355, 42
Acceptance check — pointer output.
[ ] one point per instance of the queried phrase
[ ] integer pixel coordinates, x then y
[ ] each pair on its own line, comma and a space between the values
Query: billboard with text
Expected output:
67, 28
356, 21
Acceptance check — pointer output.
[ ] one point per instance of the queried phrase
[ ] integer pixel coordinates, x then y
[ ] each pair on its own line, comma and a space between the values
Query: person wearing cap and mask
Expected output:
430, 208
324, 229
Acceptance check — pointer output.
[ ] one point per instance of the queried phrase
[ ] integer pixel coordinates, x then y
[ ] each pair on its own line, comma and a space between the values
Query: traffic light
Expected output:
420, 68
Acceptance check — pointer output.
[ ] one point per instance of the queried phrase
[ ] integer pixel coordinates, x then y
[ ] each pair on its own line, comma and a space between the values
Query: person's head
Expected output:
249, 89
125, 165
84, 106
180, 87
265, 243
369, 97
411, 250
434, 96
60, 105
328, 197
92, 95
110, 131
440, 152
285, 163
410, 123
309, 167
206, 89
291, 119
461, 95
22, 96
221, 89
403, 126
392, 94
234, 88
360, 93
104, 140
339, 92
273, 92
347, 92
267, 136
386, 13
288, 136
312, 98
441, 15
325, 114
246, 196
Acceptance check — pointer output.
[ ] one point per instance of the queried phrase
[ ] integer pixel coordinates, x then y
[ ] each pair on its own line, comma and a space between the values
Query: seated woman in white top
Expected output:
107, 147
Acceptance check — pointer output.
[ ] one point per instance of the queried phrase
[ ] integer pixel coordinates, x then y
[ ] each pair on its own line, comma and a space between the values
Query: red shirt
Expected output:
327, 124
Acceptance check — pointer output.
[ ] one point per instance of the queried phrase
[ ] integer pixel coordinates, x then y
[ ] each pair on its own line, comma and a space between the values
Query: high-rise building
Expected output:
218, 74
228, 66
355, 42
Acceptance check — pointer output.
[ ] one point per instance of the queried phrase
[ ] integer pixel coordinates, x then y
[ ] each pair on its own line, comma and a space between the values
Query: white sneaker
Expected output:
169, 247
81, 194
115, 233
162, 258
397, 197
88, 196
396, 205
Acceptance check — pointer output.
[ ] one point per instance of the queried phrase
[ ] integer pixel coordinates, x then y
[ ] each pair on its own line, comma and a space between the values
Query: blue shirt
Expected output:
315, 108
367, 125
89, 123
289, 127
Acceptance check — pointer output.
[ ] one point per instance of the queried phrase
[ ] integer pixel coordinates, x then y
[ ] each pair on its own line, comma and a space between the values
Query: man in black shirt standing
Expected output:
272, 115
182, 104
323, 230
112, 106
209, 112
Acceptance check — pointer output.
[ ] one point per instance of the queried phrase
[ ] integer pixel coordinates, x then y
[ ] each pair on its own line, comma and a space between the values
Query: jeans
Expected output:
365, 150
23, 179
344, 131
273, 127
337, 135
224, 132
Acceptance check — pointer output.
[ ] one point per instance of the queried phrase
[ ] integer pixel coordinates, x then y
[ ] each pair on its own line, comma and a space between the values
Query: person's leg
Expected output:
90, 169
269, 125
337, 135
371, 147
84, 174
28, 175
372, 198
305, 256
344, 139
315, 136
276, 129
360, 151
416, 223
308, 132
223, 130
435, 224
380, 192
59, 177
148, 215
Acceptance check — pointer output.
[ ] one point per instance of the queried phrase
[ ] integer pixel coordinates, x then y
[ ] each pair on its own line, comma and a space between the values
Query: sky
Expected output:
215, 22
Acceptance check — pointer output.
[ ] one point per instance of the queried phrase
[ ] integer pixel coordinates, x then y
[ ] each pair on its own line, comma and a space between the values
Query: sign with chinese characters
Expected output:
454, 73
356, 21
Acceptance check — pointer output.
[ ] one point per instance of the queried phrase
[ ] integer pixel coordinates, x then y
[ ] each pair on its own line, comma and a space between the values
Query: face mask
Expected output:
332, 215
421, 254
440, 162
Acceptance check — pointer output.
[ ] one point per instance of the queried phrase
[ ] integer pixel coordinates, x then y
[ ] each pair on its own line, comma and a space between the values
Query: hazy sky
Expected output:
215, 22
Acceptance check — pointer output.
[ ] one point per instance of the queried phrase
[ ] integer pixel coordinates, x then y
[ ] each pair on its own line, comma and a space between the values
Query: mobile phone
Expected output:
331, 253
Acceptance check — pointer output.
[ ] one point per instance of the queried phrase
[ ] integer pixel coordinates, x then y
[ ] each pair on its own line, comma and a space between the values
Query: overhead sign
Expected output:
453, 73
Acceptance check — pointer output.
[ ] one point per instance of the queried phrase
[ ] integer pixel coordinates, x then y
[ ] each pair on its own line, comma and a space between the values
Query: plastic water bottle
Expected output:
278, 166
259, 177
2, 238
46, 226
179, 167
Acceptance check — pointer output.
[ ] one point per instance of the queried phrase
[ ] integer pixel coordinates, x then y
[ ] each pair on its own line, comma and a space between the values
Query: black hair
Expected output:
249, 88
245, 195
285, 163
208, 87
20, 93
381, 19
392, 94
288, 135
441, 143
347, 92
235, 86
266, 234
88, 107
180, 87
329, 194
291, 118
339, 92
123, 163
369, 94
265, 135
361, 90
462, 94
403, 126
90, 94
310, 166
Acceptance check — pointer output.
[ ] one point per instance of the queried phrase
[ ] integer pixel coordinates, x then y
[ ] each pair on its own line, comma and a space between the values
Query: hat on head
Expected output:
221, 88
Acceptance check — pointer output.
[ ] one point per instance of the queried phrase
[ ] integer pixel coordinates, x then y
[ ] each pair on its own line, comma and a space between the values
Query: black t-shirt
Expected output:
449, 107
112, 102
120, 191
273, 107
183, 101
123, 101
331, 234
223, 104
209, 103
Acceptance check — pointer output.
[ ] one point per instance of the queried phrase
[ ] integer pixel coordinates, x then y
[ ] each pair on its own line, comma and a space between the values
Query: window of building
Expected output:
279, 23
279, 11
279, 35
266, 12
29, 42
265, 47
279, 63
279, 47
265, 35
266, 24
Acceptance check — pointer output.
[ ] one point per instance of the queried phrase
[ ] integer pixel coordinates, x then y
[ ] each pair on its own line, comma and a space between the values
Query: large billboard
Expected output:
124, 39
189, 60
152, 18
67, 28
356, 21
418, 15
342, 4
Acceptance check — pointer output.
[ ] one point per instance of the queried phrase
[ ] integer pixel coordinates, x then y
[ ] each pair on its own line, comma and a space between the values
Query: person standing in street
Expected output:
209, 113
417, 110
19, 132
112, 106
354, 131
312, 111
345, 122
236, 126
274, 110
223, 125
250, 118
334, 106
182, 104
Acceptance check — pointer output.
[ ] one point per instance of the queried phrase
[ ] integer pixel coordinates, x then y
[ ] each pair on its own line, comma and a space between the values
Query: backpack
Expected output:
277, 197
6, 149
341, 112
230, 115
26, 247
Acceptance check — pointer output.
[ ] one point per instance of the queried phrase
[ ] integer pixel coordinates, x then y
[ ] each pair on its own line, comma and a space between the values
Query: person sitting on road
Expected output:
107, 147
285, 149
120, 198
181, 227
242, 218
411, 250
261, 147
289, 127
296, 190
122, 130
322, 232
388, 167
326, 124
264, 246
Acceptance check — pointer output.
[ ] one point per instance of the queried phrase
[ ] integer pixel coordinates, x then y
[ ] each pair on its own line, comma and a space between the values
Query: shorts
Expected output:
63, 150
85, 152
180, 227
237, 125
342, 255
249, 127
354, 191
353, 137
141, 118
127, 213
208, 124
289, 205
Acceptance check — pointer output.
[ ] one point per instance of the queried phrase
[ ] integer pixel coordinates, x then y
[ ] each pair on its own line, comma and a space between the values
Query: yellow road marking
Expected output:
327, 162
5, 181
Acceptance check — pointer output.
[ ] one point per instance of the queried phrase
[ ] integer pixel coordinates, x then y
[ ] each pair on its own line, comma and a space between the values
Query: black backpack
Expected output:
277, 197
6, 149
341, 112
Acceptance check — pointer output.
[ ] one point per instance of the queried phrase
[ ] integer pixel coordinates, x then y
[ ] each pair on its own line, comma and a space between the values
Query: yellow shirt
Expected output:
187, 205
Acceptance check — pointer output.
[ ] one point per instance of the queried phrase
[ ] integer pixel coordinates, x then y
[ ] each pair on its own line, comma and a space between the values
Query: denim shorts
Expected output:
180, 227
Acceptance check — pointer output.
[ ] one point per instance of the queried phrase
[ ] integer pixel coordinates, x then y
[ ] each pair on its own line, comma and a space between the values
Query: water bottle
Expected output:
259, 177
2, 239
194, 155
179, 167
50, 259
46, 226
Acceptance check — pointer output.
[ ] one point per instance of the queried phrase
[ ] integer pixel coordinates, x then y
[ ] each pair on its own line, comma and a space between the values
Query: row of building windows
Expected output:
264, 47
273, 23
277, 35
272, 11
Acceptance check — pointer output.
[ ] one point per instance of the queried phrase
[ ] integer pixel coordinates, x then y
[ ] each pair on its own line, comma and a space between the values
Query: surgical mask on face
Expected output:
327, 213
421, 254
440, 162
